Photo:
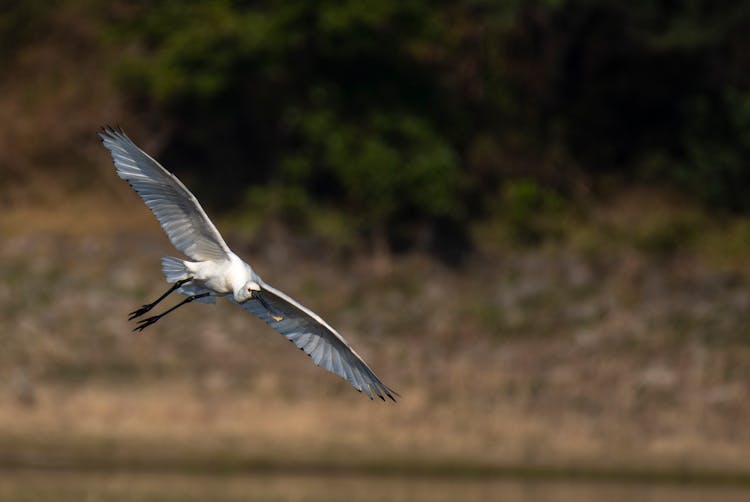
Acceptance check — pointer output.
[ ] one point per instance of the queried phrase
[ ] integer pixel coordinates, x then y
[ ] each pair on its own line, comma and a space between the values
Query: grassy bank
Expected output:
553, 360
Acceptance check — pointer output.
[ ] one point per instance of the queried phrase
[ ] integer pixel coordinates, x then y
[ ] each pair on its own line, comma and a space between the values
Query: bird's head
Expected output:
246, 291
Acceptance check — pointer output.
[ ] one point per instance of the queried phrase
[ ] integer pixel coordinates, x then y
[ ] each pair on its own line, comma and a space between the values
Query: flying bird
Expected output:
214, 270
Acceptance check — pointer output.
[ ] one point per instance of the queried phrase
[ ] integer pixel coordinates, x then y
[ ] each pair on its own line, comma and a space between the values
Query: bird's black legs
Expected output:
149, 306
144, 323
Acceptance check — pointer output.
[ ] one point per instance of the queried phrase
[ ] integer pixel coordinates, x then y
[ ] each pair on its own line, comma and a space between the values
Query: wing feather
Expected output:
178, 211
323, 344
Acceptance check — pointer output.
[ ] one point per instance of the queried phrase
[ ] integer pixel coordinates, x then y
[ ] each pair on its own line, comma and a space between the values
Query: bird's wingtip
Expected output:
110, 131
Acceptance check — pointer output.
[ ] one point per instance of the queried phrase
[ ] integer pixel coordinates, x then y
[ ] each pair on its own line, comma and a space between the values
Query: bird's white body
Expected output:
216, 271
225, 277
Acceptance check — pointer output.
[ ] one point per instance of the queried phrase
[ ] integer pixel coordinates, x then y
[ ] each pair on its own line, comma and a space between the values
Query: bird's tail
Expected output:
173, 269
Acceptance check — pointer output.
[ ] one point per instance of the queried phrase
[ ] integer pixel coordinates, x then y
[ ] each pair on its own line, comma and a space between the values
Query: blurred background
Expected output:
531, 218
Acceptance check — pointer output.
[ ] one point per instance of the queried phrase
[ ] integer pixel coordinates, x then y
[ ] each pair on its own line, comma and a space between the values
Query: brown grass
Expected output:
545, 359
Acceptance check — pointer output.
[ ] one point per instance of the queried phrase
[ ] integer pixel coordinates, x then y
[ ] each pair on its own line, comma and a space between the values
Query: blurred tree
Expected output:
327, 96
648, 91
20, 22
404, 113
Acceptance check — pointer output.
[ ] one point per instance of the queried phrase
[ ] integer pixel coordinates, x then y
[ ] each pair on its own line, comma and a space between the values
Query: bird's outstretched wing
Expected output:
178, 211
322, 343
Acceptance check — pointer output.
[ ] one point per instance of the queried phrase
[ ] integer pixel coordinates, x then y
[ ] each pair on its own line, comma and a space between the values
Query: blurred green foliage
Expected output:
529, 209
20, 22
414, 114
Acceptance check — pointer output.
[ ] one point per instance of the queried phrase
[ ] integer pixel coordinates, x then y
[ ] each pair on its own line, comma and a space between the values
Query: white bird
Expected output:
217, 271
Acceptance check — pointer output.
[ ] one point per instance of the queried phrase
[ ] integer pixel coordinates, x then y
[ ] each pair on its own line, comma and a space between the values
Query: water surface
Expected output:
67, 486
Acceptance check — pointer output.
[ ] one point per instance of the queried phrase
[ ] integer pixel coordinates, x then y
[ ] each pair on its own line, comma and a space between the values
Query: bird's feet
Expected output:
145, 323
271, 311
140, 311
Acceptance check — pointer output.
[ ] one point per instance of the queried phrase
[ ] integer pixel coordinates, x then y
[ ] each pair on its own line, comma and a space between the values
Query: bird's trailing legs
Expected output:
144, 323
149, 306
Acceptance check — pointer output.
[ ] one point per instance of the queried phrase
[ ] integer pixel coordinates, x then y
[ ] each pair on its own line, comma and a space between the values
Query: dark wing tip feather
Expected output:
348, 365
390, 393
111, 131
